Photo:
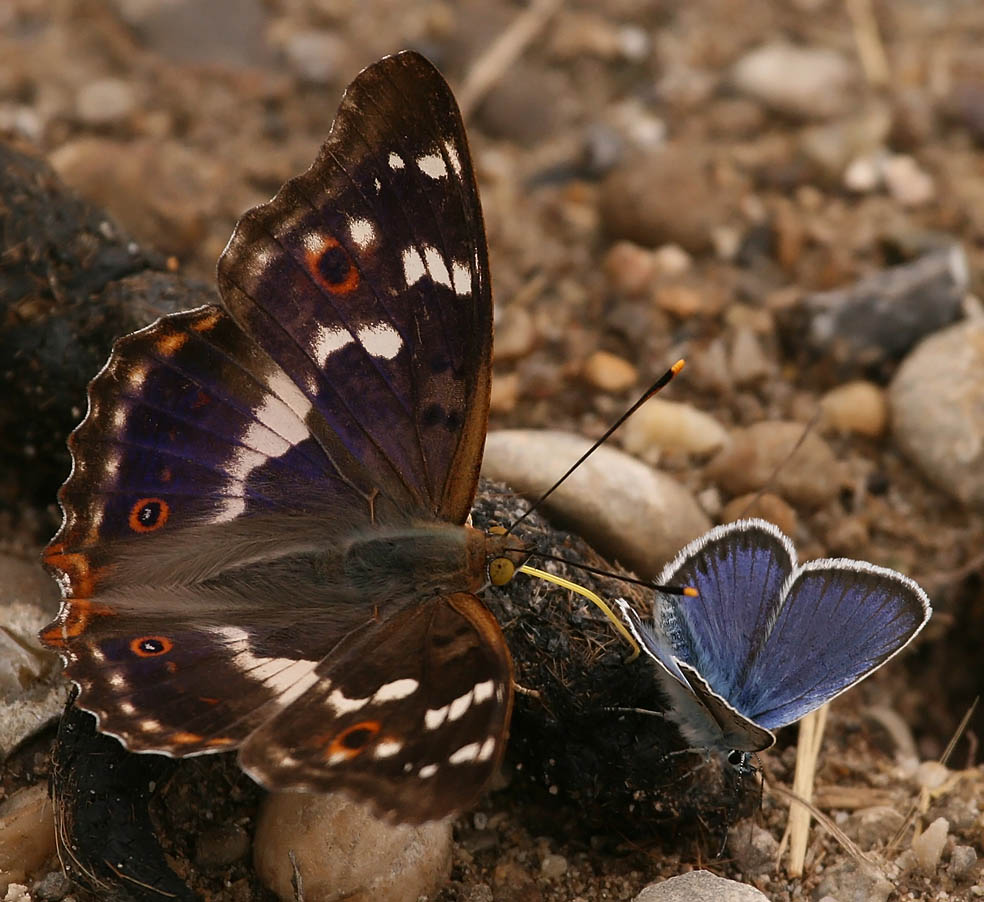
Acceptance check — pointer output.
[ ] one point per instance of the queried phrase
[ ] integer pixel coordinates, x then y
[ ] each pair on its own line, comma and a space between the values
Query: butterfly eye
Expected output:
501, 570
737, 759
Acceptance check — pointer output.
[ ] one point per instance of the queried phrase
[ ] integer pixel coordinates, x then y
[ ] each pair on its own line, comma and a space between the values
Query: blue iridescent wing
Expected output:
836, 621
738, 570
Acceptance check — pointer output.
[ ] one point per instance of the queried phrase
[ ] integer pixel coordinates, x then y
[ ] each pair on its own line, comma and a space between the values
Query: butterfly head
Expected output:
505, 554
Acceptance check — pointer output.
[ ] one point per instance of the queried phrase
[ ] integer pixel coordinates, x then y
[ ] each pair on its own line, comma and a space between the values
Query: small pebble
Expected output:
754, 848
672, 260
220, 846
932, 774
666, 197
661, 425
316, 56
809, 475
105, 101
927, 847
553, 867
873, 827
937, 409
53, 887
680, 300
630, 268
805, 82
515, 333
858, 407
765, 505
609, 373
864, 174
749, 363
853, 881
505, 393
906, 182
962, 861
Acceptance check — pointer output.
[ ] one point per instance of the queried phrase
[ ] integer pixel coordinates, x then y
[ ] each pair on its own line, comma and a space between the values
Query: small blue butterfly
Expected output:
768, 640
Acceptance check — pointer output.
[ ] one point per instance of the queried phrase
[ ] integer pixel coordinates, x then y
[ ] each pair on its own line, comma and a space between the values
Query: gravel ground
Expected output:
789, 194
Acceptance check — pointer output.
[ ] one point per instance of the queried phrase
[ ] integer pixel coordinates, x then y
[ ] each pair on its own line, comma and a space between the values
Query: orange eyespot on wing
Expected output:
330, 265
352, 740
148, 514
151, 646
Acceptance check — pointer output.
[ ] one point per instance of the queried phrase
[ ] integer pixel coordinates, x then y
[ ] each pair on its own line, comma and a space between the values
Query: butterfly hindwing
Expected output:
453, 705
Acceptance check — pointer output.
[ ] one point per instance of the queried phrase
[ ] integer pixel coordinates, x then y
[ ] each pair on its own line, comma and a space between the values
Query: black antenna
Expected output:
689, 591
659, 384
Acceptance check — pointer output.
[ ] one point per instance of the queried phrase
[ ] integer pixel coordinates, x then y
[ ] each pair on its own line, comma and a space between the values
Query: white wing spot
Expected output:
482, 691
387, 748
413, 266
381, 340
287, 678
458, 707
391, 692
279, 415
437, 268
452, 153
241, 463
262, 439
230, 509
427, 771
341, 704
314, 242
362, 232
464, 754
434, 717
127, 708
396, 161
461, 276
433, 164
328, 341
116, 680
150, 725
488, 747
379, 186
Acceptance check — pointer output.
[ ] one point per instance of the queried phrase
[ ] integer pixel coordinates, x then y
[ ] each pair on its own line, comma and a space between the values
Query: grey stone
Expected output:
700, 886
852, 881
806, 82
629, 512
343, 852
937, 406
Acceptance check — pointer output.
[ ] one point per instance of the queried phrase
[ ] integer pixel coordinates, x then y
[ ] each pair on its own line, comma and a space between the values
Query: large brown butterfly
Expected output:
264, 545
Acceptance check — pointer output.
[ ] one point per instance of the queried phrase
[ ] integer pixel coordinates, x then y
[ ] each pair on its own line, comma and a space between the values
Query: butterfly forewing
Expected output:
839, 621
377, 263
738, 571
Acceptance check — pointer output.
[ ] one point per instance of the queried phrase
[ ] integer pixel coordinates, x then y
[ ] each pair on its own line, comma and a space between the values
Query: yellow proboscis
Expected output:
594, 599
